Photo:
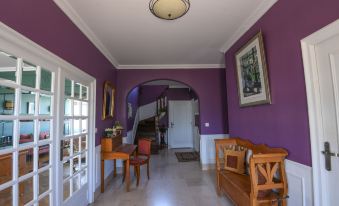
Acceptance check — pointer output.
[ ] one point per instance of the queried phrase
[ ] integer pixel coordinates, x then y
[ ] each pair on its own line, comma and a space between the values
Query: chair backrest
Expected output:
144, 146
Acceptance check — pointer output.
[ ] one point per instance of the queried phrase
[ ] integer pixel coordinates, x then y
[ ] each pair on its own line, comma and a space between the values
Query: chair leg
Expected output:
135, 171
138, 175
148, 169
124, 171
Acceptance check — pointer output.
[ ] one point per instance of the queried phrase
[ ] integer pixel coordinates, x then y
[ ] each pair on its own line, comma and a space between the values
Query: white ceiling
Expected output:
127, 33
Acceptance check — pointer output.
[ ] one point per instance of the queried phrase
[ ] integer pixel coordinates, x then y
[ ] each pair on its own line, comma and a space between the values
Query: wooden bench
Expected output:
266, 183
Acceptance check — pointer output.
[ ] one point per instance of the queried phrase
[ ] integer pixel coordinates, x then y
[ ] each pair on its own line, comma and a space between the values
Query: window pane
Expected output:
76, 164
6, 169
45, 104
26, 191
84, 92
67, 189
66, 148
7, 100
84, 126
84, 109
66, 169
68, 88
26, 159
44, 129
76, 145
44, 155
8, 65
76, 126
77, 90
26, 131
83, 178
44, 201
76, 183
6, 197
46, 80
83, 160
6, 132
67, 127
27, 103
68, 107
28, 74
43, 182
77, 108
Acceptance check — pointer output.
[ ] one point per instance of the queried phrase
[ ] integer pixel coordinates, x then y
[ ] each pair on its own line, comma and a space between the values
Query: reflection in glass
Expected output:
67, 189
46, 80
84, 109
6, 174
44, 155
7, 100
26, 161
27, 106
44, 129
43, 181
6, 134
44, 201
66, 147
45, 104
83, 143
83, 178
84, 92
83, 160
68, 88
68, 107
77, 108
6, 197
76, 126
26, 193
67, 127
77, 90
76, 145
26, 131
76, 165
84, 126
8, 65
66, 169
76, 183
28, 75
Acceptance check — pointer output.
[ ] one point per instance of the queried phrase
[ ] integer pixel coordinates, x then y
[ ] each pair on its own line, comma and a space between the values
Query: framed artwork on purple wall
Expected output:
252, 77
108, 101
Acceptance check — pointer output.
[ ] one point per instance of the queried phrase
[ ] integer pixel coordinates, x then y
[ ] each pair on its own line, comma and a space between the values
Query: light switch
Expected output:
207, 124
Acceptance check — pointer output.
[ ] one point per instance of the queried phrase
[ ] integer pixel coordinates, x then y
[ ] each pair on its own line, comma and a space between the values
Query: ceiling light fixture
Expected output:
169, 9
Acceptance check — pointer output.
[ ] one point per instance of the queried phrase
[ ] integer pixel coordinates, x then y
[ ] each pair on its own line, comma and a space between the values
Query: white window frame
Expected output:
20, 46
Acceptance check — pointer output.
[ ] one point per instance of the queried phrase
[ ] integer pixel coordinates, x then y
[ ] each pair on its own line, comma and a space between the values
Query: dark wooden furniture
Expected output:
113, 149
142, 157
260, 187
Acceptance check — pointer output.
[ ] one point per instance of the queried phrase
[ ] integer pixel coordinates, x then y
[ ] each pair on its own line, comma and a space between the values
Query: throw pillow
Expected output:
234, 158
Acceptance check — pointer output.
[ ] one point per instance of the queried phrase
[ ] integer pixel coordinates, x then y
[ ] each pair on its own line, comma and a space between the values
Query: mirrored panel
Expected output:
84, 126
27, 106
66, 169
44, 155
26, 161
46, 80
8, 66
68, 88
44, 201
83, 160
84, 109
76, 128
6, 134
77, 90
83, 143
28, 77
76, 183
6, 169
7, 100
84, 91
45, 103
44, 129
76, 164
67, 190
26, 191
6, 197
83, 178
26, 131
68, 107
66, 148
76, 145
67, 127
44, 182
77, 105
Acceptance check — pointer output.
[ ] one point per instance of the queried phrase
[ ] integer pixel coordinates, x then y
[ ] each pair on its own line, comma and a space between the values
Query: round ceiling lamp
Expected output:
169, 9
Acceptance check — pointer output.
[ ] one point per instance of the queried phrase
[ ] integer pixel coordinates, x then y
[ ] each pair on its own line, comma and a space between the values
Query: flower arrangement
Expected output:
109, 132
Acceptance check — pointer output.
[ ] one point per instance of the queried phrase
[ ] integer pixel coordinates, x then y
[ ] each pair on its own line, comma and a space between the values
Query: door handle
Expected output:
328, 154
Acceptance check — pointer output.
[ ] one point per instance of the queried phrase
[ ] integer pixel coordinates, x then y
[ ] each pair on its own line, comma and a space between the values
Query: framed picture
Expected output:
253, 85
108, 101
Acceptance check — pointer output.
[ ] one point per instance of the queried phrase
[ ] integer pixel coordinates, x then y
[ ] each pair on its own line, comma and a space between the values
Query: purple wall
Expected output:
44, 23
284, 123
209, 85
133, 98
149, 93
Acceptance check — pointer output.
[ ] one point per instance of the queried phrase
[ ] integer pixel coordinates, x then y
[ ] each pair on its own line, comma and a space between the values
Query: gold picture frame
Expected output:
251, 71
108, 101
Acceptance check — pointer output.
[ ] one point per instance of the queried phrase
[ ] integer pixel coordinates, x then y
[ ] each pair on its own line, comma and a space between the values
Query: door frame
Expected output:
308, 45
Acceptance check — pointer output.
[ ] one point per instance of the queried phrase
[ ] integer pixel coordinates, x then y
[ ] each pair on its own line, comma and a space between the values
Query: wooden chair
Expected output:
142, 157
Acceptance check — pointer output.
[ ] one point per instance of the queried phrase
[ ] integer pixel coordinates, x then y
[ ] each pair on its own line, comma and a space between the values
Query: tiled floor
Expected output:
172, 183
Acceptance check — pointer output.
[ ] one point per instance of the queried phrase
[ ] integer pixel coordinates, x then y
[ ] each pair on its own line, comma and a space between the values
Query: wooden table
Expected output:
122, 152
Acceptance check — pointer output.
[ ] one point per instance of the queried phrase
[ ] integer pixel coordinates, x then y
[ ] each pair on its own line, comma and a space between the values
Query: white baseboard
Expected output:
207, 149
299, 178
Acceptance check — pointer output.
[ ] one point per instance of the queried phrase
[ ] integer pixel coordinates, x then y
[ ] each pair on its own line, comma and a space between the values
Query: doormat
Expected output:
187, 156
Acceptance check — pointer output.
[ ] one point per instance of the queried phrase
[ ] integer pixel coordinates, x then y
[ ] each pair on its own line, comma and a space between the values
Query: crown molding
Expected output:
173, 66
77, 20
248, 23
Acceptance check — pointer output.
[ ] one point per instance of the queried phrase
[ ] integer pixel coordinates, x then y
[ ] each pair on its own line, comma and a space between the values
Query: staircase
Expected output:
146, 128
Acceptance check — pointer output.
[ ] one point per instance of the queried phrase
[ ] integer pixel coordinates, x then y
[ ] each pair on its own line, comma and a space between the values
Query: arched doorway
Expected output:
166, 111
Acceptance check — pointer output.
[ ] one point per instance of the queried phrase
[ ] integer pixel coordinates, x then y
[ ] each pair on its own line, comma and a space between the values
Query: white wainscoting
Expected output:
299, 178
147, 111
207, 150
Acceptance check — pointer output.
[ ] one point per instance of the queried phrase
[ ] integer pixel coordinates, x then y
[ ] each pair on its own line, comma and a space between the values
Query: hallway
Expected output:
171, 183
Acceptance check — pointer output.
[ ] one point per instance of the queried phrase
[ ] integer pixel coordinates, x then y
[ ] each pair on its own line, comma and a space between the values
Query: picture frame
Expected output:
251, 71
108, 101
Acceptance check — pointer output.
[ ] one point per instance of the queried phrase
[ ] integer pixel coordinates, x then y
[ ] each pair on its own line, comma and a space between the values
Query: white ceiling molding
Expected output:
77, 20
248, 23
174, 66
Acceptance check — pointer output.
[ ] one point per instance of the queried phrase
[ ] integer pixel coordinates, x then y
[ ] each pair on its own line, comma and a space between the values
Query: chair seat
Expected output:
139, 160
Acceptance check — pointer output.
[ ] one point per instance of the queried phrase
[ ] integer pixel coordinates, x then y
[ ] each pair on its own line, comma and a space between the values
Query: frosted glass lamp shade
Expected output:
169, 9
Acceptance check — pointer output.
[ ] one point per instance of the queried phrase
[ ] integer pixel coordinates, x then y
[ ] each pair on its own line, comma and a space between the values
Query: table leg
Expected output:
127, 175
115, 168
102, 176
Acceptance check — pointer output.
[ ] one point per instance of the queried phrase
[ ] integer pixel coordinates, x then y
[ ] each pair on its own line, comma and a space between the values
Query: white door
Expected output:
321, 61
180, 124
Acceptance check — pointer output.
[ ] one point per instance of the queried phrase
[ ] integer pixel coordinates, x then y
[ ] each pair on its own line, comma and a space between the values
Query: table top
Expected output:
126, 148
